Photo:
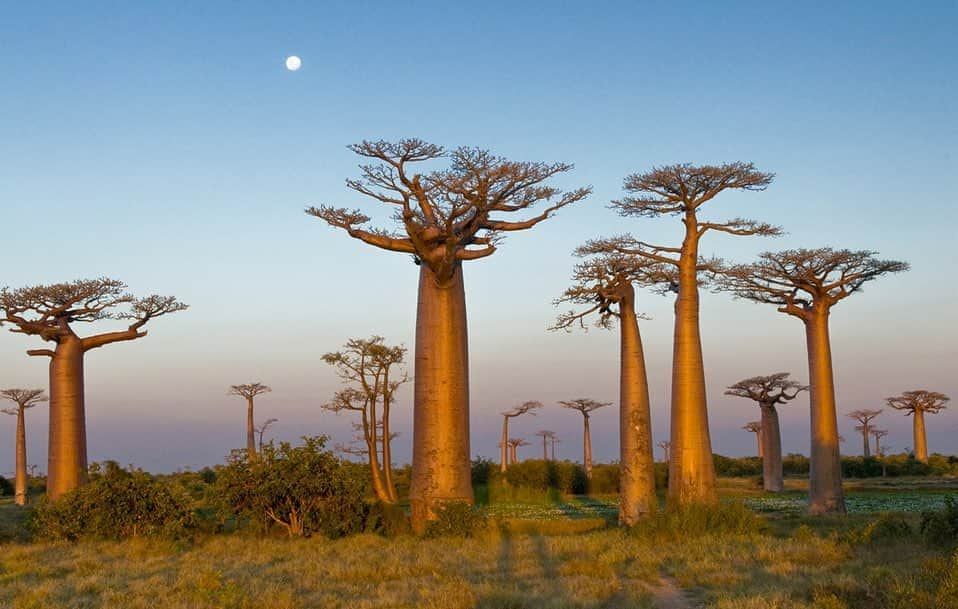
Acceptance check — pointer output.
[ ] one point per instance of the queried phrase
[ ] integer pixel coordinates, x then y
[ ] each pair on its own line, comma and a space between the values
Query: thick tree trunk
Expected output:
250, 431
553, 450
771, 437
587, 448
67, 455
825, 477
20, 482
637, 462
866, 449
758, 442
504, 454
691, 468
545, 449
440, 462
921, 445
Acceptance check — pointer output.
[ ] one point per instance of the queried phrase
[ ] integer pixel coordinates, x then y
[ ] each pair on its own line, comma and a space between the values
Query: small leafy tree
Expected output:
305, 489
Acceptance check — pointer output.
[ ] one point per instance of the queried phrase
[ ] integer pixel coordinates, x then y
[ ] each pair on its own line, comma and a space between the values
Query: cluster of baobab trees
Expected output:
452, 207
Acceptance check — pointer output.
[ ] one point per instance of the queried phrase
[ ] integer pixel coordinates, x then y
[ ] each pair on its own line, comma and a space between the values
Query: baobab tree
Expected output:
446, 216
261, 430
24, 399
249, 392
523, 408
604, 288
918, 403
665, 445
553, 441
865, 418
371, 369
769, 391
514, 444
51, 312
878, 434
806, 284
586, 407
682, 190
546, 435
755, 427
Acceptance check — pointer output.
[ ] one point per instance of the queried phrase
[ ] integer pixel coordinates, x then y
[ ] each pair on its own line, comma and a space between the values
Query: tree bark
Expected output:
387, 458
250, 432
691, 468
866, 449
440, 463
587, 447
545, 449
504, 454
921, 445
637, 462
825, 477
771, 438
67, 454
20, 483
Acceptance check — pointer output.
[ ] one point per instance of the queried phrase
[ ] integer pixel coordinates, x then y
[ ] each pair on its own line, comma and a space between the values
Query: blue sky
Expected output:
167, 146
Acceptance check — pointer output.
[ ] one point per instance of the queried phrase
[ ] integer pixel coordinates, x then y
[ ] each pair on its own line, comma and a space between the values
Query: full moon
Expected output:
293, 63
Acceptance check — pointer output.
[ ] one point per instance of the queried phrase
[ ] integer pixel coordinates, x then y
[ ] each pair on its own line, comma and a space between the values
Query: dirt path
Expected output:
668, 595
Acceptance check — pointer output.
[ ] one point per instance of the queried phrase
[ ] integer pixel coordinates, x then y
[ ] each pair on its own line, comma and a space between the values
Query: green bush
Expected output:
6, 487
605, 479
116, 503
482, 469
456, 519
387, 519
890, 526
941, 527
737, 467
794, 464
305, 489
726, 518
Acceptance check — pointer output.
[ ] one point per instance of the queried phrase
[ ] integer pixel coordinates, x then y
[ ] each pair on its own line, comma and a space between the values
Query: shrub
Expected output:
387, 519
737, 467
726, 518
482, 469
456, 519
116, 503
941, 527
605, 479
305, 489
795, 465
886, 527
6, 487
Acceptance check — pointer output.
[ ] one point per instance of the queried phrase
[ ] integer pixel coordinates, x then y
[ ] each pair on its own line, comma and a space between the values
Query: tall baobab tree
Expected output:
665, 445
521, 409
682, 190
514, 444
261, 431
52, 312
918, 403
586, 407
806, 284
24, 399
249, 392
446, 216
878, 434
756, 428
865, 418
371, 368
604, 287
553, 441
769, 391
546, 435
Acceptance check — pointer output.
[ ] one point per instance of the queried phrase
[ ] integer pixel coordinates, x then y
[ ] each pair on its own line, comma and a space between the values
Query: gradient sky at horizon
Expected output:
166, 145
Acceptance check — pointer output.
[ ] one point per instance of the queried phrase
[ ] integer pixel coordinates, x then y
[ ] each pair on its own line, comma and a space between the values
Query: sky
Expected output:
166, 145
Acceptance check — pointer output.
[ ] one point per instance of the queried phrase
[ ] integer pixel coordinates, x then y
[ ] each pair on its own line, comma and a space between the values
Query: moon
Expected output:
293, 63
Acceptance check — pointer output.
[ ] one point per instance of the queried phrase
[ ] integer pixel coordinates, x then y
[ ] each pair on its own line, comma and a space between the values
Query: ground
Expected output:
551, 556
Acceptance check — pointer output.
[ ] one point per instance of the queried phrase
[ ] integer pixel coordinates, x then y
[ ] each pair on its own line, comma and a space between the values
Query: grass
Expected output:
561, 555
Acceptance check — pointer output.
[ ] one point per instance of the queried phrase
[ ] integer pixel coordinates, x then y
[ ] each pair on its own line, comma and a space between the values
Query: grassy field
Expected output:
536, 555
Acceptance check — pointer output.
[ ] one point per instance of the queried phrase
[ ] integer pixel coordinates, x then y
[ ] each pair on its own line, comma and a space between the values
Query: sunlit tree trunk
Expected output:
825, 477
441, 469
250, 428
866, 446
771, 452
587, 447
67, 457
504, 453
921, 446
637, 487
691, 470
20, 482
